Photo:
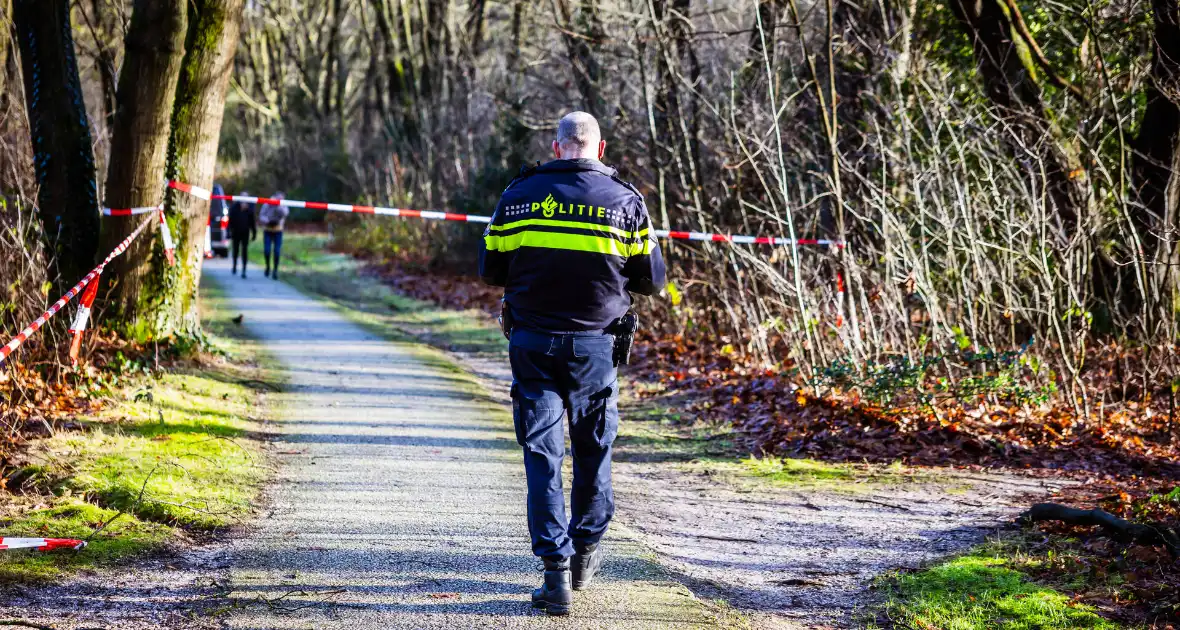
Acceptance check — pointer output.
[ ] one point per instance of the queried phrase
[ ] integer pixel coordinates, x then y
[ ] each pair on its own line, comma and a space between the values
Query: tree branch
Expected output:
1151, 535
1022, 29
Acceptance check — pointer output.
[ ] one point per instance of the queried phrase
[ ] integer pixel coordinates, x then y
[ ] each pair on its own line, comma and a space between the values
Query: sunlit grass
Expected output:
791, 470
312, 269
182, 450
176, 453
125, 537
982, 591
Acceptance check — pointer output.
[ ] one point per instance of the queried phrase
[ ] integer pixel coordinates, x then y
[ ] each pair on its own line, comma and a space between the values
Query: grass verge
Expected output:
309, 267
989, 588
173, 458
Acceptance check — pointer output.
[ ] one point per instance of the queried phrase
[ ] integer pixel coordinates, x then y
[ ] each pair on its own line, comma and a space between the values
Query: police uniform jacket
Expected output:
568, 241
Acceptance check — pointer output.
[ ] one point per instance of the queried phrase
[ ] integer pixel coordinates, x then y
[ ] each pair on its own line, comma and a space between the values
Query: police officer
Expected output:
569, 242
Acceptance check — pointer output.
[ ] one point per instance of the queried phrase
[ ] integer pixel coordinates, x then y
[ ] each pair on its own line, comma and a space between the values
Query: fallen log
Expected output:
1151, 534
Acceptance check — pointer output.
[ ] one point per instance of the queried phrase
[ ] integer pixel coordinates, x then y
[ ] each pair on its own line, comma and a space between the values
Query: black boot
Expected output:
585, 564
555, 595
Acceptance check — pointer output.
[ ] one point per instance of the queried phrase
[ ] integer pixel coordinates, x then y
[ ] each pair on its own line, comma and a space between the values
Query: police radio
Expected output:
623, 329
506, 320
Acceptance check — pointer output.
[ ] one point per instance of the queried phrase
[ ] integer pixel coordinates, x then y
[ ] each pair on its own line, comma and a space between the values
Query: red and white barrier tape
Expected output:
40, 321
208, 237
476, 218
196, 191
126, 212
165, 233
41, 544
79, 326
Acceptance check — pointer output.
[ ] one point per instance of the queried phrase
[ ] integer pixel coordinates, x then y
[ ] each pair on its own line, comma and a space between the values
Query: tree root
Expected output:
1153, 534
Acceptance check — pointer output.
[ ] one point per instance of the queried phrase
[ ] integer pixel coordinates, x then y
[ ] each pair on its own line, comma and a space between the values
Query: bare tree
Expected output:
5, 38
210, 42
582, 31
139, 145
1156, 161
67, 197
1010, 80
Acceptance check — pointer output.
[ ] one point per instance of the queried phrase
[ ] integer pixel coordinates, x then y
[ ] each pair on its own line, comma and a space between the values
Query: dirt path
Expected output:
792, 555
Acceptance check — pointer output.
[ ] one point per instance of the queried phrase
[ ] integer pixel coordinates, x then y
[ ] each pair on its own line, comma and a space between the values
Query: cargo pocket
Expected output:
597, 345
597, 422
537, 416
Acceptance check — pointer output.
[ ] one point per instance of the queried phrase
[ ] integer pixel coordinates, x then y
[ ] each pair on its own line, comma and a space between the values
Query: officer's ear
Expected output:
601, 148
556, 150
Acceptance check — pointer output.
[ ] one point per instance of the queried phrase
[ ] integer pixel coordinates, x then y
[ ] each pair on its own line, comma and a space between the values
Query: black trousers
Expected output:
556, 376
240, 244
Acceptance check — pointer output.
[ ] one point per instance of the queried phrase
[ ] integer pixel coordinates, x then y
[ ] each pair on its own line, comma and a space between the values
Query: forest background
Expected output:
1003, 175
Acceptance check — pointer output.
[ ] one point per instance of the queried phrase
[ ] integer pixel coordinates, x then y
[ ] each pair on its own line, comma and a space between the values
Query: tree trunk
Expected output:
139, 150
5, 38
676, 129
1010, 80
105, 31
475, 23
333, 65
1157, 150
435, 60
583, 35
192, 149
67, 199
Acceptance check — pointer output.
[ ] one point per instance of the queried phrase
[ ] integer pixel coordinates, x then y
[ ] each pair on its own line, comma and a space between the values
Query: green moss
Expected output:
125, 537
983, 590
175, 454
792, 470
181, 448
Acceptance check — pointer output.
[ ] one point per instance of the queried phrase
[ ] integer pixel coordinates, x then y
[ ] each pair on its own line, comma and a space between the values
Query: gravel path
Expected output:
399, 501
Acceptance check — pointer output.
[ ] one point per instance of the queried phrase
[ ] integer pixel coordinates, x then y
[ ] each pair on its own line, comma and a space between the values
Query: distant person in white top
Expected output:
272, 218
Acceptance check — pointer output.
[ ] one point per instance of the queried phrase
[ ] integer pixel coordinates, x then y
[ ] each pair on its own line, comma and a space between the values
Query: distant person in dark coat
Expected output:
242, 230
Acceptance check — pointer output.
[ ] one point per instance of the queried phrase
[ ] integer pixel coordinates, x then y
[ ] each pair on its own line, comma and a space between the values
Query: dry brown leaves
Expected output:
42, 393
776, 416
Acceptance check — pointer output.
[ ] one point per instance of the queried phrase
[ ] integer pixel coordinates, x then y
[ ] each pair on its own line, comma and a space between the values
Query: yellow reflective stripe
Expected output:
641, 247
555, 240
568, 224
643, 243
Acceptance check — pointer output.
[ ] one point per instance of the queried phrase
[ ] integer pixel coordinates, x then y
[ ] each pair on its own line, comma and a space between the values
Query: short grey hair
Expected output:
578, 129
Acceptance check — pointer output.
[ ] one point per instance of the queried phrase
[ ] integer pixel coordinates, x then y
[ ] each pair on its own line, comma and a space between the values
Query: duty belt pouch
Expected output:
623, 329
505, 319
